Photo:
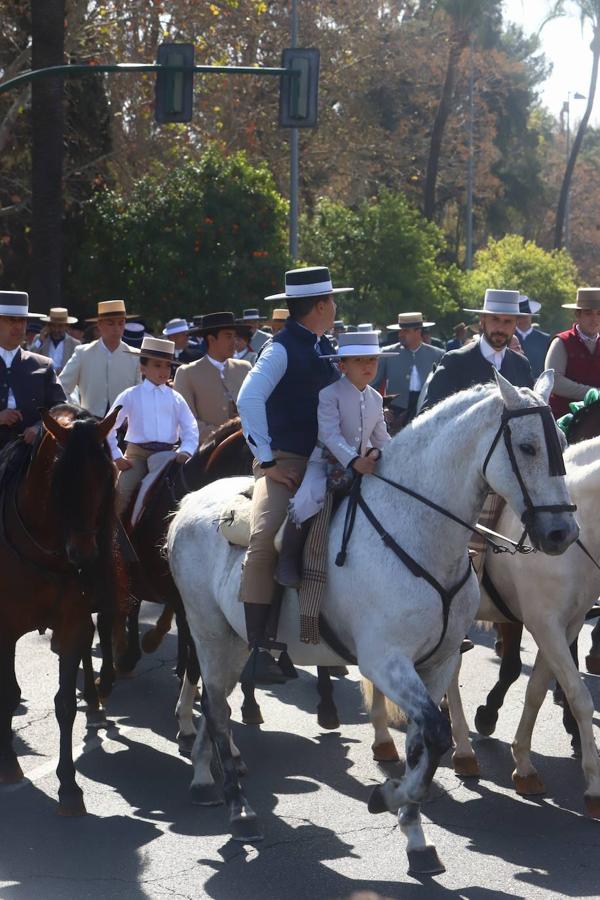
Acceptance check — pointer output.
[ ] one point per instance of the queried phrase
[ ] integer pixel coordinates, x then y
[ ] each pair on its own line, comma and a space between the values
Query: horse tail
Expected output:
395, 716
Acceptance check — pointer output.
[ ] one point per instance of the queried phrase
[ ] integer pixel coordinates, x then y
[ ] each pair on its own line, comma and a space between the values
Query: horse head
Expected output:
525, 465
82, 483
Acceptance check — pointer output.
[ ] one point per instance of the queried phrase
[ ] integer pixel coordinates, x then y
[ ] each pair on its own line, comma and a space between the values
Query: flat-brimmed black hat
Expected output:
302, 284
214, 321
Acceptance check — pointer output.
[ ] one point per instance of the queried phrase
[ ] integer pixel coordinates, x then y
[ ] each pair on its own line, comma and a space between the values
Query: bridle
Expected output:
555, 461
556, 466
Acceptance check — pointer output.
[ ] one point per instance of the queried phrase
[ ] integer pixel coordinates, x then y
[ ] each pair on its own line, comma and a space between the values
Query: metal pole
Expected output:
567, 201
470, 172
294, 157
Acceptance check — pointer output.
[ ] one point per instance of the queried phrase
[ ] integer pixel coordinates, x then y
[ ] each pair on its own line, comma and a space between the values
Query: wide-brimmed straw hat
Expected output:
112, 309
359, 343
410, 320
302, 284
178, 326
528, 306
499, 303
216, 320
279, 315
59, 315
587, 298
157, 348
16, 304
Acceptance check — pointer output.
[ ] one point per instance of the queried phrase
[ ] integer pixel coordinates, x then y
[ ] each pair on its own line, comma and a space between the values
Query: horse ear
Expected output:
104, 427
58, 431
509, 393
544, 384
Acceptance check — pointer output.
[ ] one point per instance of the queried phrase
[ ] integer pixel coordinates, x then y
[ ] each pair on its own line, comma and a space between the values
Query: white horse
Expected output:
550, 597
388, 617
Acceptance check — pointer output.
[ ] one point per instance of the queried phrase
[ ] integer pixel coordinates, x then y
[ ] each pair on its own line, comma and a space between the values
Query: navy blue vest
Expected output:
292, 407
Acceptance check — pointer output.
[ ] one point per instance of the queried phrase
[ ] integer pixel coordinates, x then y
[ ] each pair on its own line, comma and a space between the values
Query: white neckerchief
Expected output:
8, 356
414, 385
495, 357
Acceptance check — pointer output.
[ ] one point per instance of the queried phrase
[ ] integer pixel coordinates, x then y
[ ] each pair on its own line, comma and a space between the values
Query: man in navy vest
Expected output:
534, 343
27, 380
278, 407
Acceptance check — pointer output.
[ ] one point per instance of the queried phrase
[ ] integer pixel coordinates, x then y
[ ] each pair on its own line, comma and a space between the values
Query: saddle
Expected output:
158, 464
234, 520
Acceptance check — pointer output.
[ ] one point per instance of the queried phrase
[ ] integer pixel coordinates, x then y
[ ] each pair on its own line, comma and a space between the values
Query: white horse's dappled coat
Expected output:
385, 616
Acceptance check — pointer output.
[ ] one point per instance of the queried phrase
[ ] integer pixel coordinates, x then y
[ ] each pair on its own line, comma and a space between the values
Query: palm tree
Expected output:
47, 49
589, 12
466, 17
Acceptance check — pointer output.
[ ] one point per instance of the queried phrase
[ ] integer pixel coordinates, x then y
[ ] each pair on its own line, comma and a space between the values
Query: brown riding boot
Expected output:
289, 565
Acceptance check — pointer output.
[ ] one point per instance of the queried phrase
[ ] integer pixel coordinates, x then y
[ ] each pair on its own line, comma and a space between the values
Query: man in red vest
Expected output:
575, 354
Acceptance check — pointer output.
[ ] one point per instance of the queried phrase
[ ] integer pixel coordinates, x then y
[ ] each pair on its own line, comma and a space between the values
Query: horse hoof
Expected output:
327, 717
251, 715
246, 829
385, 752
185, 742
529, 785
592, 664
485, 721
425, 862
72, 808
151, 641
205, 795
592, 806
96, 718
11, 773
338, 671
377, 802
466, 766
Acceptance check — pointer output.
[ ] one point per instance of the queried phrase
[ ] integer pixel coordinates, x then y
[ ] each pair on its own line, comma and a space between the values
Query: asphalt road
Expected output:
143, 839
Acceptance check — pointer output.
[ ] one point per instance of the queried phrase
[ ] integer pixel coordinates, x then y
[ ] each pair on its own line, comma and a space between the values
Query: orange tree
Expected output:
203, 236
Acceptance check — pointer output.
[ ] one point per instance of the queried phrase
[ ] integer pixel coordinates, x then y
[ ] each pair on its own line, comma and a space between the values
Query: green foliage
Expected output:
389, 253
519, 265
199, 237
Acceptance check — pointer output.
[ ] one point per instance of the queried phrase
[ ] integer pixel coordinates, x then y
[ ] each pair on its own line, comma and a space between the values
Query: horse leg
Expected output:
510, 669
106, 678
327, 714
383, 746
592, 660
10, 696
464, 760
558, 694
128, 659
70, 795
251, 714
184, 712
428, 738
184, 642
152, 639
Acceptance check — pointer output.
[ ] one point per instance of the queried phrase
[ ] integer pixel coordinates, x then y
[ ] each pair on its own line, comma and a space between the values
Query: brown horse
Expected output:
58, 564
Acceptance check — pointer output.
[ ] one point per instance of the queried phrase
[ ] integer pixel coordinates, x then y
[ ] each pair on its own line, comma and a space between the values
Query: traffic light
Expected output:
174, 90
298, 94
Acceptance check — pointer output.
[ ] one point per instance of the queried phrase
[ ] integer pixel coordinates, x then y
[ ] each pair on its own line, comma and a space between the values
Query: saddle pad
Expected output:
234, 521
156, 464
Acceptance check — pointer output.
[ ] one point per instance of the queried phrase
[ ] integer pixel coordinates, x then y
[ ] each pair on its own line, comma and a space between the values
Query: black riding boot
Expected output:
289, 565
261, 668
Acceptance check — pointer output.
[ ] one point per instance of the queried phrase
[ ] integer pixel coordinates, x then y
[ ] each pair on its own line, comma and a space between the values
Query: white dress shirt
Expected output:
154, 413
590, 342
57, 352
524, 334
495, 357
8, 356
259, 384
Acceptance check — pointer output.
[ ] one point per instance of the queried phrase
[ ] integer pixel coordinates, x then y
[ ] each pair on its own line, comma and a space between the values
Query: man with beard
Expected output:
475, 362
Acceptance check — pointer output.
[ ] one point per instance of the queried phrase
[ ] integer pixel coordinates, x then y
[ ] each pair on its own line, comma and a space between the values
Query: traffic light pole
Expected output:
77, 70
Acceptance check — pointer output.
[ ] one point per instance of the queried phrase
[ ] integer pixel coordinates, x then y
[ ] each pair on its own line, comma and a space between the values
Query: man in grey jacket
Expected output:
404, 375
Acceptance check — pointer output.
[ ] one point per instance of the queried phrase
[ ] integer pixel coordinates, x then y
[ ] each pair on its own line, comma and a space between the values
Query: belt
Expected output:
155, 446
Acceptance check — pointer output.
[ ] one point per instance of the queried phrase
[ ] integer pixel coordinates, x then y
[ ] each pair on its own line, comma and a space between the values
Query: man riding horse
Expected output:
278, 408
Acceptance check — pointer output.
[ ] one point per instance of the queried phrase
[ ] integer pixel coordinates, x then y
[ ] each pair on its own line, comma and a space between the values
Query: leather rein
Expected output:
557, 468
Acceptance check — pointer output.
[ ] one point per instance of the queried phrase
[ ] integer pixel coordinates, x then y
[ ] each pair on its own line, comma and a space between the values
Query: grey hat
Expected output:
499, 303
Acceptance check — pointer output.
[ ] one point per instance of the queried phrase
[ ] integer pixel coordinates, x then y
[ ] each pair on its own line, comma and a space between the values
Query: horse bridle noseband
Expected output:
555, 461
557, 468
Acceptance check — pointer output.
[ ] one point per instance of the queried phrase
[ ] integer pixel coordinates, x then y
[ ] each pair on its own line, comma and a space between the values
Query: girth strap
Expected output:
496, 598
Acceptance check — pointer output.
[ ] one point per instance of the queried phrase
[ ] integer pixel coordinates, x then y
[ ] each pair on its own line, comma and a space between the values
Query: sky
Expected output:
566, 48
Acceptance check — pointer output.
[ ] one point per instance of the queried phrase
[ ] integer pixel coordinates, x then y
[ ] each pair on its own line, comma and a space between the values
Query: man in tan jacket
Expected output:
211, 384
58, 345
104, 368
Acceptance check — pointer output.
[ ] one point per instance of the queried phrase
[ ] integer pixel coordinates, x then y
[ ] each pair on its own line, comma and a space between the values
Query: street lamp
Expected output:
567, 109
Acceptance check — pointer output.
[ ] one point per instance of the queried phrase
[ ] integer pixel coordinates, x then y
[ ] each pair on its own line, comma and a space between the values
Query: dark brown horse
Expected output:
58, 564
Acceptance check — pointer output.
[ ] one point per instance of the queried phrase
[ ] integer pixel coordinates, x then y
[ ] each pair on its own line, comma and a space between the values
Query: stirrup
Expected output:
261, 668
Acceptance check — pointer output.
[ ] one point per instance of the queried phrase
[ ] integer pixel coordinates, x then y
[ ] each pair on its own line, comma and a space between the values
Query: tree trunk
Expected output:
457, 45
47, 32
570, 168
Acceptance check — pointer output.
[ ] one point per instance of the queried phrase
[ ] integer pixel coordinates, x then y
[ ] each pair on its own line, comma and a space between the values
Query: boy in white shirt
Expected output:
351, 426
157, 417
